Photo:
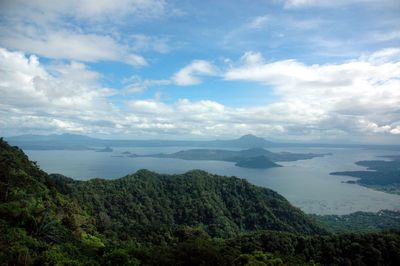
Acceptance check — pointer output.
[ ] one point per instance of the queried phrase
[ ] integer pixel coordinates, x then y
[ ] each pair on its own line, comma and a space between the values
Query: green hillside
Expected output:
36, 221
221, 206
152, 219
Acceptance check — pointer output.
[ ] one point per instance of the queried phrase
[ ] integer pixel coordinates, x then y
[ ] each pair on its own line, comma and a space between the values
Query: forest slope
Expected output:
54, 220
147, 203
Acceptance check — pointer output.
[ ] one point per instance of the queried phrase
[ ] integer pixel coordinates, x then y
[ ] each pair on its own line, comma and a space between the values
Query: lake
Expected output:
305, 183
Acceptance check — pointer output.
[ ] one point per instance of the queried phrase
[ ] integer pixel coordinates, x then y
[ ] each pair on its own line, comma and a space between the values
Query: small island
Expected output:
260, 162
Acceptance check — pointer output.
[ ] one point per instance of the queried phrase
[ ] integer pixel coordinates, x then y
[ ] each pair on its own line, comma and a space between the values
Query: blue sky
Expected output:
299, 70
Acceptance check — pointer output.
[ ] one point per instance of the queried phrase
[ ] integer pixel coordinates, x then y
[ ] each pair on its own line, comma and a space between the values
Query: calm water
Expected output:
306, 183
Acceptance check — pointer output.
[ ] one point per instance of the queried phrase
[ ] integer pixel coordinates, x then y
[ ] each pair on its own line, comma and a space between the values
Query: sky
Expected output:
294, 70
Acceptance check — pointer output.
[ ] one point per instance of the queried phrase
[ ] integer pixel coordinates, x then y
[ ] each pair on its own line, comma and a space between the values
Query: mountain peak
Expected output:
250, 137
252, 141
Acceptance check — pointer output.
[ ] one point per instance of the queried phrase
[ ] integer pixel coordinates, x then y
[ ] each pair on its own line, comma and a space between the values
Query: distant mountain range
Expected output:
81, 142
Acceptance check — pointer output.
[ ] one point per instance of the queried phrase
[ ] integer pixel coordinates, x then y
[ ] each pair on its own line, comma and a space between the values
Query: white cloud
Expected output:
354, 100
383, 56
135, 84
328, 3
189, 75
29, 91
203, 106
395, 130
81, 30
252, 58
74, 71
273, 30
57, 99
299, 3
70, 45
149, 106
362, 92
92, 10
385, 36
100, 8
259, 22
142, 42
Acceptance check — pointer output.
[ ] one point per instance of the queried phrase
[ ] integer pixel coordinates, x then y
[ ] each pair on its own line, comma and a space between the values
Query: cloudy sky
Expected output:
299, 70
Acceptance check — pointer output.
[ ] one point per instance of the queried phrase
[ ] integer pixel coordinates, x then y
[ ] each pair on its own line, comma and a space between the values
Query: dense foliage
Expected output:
360, 221
273, 248
36, 221
221, 206
151, 219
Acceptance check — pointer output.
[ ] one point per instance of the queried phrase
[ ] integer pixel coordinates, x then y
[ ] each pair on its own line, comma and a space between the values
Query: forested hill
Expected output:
36, 221
145, 203
152, 219
38, 210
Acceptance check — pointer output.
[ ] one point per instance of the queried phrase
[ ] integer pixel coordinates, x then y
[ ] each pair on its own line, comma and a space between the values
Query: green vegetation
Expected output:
251, 158
221, 206
37, 222
360, 221
382, 175
151, 219
260, 162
